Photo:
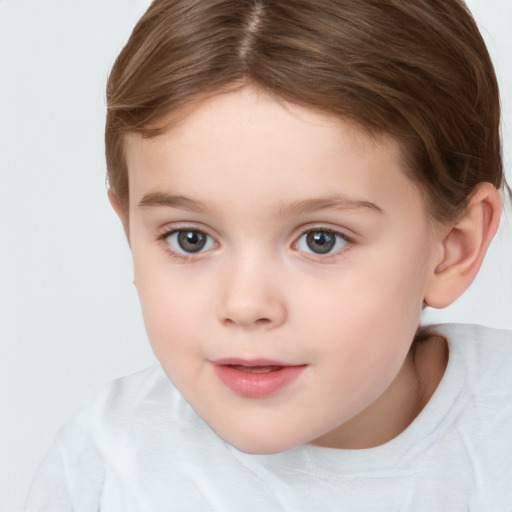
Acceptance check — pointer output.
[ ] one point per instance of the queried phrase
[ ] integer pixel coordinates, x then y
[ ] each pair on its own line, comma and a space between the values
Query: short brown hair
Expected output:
417, 69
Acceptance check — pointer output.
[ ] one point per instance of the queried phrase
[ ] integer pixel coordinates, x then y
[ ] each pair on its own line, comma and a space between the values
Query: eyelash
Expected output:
191, 257
326, 258
184, 257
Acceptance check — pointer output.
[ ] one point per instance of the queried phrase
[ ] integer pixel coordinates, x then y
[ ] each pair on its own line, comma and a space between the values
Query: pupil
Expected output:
320, 242
191, 241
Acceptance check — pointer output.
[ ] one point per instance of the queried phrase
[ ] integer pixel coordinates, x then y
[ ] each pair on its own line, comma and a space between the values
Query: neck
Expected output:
399, 405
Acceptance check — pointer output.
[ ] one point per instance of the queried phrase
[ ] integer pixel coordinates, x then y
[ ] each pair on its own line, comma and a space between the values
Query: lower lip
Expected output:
257, 385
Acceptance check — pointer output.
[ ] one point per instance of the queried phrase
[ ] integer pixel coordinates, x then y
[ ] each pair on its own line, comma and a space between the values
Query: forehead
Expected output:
246, 143
250, 107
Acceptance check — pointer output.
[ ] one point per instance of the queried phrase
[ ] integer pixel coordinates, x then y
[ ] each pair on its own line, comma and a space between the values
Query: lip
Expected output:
256, 378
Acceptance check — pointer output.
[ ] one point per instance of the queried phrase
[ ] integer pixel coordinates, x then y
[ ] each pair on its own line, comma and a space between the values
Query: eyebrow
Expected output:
173, 201
326, 203
337, 202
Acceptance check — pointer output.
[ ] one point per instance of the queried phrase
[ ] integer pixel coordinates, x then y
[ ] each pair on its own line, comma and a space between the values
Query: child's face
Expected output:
281, 258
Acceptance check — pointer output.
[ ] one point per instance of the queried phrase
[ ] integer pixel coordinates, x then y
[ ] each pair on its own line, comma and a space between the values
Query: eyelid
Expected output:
168, 230
350, 242
345, 233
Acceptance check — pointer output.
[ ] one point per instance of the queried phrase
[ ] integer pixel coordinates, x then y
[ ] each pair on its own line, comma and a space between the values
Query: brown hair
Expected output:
417, 69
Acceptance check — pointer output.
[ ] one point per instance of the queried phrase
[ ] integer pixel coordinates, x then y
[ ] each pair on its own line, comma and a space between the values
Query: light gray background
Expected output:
69, 316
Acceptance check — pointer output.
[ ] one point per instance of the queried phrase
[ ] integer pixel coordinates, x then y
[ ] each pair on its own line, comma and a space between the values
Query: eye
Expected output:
321, 241
189, 241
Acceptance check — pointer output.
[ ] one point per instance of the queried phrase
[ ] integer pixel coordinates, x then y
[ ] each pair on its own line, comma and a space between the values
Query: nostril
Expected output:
251, 311
258, 322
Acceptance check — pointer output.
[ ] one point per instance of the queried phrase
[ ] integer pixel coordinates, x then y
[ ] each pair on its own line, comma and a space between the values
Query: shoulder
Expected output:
484, 354
142, 415
111, 443
123, 405
476, 390
127, 394
473, 333
478, 408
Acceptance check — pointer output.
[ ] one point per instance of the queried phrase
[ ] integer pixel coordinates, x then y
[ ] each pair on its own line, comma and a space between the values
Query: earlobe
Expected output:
464, 247
120, 209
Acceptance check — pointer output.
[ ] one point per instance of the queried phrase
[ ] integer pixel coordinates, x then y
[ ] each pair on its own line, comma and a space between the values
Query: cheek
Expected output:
365, 317
374, 292
173, 307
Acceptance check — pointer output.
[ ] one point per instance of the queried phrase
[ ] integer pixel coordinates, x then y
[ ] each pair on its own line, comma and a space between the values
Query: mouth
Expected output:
256, 378
256, 369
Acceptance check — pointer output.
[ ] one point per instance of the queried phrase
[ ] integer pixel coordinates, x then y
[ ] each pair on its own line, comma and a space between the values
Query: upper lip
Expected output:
237, 361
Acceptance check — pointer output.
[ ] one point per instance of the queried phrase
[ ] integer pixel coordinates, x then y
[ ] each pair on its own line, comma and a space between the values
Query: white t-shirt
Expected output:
141, 447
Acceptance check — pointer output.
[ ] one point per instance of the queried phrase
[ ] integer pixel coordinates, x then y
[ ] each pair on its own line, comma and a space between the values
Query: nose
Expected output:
251, 296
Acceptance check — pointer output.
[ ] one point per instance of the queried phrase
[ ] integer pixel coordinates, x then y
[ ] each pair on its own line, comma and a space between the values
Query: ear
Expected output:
121, 210
464, 246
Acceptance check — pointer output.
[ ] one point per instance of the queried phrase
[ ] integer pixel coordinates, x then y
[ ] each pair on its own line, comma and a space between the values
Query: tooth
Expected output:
257, 369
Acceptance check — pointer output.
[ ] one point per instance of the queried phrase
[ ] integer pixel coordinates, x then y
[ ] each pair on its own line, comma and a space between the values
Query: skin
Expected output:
256, 174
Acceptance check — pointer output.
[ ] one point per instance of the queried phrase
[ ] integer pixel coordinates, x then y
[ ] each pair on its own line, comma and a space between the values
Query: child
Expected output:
297, 181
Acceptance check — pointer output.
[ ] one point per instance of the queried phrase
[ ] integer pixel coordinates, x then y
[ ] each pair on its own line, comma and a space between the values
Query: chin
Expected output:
260, 445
